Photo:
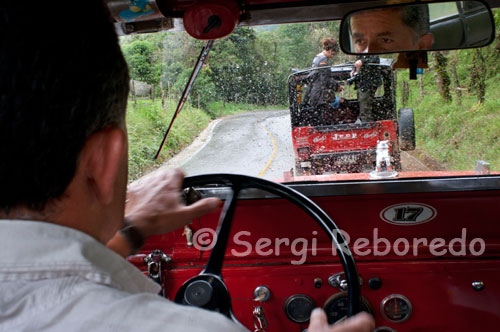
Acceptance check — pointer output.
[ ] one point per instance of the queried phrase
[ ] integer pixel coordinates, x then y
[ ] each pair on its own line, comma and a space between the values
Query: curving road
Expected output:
255, 143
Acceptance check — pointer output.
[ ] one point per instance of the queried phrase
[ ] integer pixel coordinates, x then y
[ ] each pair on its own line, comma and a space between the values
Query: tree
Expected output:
478, 75
442, 77
237, 68
203, 88
143, 61
454, 75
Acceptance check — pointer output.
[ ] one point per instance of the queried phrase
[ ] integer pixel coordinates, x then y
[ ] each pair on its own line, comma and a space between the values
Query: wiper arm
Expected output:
194, 74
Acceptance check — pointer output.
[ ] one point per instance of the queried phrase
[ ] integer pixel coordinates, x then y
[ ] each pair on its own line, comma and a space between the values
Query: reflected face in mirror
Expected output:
390, 29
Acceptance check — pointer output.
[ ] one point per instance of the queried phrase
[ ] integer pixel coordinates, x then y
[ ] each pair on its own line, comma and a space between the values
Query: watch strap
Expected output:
133, 236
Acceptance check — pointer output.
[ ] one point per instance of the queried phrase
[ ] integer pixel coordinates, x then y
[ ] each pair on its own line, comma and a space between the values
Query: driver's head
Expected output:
391, 29
62, 79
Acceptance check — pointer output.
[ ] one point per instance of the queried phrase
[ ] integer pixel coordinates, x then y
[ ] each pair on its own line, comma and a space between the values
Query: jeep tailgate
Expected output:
345, 137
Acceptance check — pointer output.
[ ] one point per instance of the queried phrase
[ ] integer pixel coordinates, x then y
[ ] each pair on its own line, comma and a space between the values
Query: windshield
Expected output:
282, 102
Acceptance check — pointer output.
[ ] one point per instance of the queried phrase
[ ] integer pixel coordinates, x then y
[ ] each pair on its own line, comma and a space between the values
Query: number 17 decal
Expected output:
408, 214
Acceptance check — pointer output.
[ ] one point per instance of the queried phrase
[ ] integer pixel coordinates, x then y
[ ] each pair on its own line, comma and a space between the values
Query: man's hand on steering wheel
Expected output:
155, 206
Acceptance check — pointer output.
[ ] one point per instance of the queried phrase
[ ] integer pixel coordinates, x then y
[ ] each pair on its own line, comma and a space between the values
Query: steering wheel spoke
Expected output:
214, 264
207, 290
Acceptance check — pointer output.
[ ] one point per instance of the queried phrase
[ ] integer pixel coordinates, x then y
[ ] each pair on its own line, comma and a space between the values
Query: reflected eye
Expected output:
360, 42
386, 40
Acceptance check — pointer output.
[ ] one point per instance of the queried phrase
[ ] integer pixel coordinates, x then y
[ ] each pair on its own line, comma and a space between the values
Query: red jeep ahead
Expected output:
327, 134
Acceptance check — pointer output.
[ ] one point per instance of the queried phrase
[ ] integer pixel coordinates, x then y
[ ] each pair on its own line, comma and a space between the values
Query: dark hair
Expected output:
62, 78
417, 18
330, 44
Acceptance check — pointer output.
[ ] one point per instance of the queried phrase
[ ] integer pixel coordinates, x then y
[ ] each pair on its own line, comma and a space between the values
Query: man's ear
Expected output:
101, 158
426, 41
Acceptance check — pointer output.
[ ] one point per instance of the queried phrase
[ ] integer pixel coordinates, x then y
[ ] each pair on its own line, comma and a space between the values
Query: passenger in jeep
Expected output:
63, 95
367, 79
322, 86
389, 29
330, 48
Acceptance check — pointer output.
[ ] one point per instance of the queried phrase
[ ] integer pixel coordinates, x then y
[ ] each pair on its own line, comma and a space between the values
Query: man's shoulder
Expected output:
148, 312
82, 305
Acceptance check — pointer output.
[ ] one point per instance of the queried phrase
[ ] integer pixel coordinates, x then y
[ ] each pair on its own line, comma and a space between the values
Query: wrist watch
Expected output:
133, 236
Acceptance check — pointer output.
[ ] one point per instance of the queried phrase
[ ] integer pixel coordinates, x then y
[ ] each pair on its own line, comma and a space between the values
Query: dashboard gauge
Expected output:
298, 308
384, 329
396, 308
337, 307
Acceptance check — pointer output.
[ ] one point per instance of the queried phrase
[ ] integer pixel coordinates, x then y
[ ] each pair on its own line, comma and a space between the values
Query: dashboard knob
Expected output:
375, 283
199, 293
261, 294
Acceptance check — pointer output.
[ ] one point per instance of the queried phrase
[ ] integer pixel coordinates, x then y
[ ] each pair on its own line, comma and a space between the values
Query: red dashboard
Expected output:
428, 254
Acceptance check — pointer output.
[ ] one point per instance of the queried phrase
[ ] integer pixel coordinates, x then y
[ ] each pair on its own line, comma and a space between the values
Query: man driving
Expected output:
391, 29
63, 94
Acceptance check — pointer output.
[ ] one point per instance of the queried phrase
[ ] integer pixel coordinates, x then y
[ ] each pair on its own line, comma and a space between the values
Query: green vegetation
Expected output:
141, 56
457, 133
146, 124
250, 66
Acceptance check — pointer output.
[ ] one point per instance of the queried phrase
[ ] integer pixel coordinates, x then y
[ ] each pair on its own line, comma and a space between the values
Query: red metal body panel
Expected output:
366, 176
439, 291
321, 142
341, 149
439, 287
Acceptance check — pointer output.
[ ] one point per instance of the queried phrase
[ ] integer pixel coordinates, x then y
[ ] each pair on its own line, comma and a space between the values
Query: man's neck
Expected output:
24, 213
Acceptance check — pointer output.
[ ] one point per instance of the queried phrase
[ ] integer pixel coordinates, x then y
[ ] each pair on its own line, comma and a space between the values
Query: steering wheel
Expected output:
207, 290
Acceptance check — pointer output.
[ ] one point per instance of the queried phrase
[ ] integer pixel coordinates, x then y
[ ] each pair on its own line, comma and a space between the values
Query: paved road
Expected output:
254, 143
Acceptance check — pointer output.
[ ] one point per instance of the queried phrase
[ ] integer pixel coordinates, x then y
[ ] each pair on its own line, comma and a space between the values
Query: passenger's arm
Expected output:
154, 205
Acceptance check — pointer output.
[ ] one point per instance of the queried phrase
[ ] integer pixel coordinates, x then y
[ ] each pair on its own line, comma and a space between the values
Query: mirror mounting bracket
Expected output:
412, 60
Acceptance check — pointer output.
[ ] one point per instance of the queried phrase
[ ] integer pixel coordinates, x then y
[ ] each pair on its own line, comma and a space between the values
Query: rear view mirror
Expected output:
428, 27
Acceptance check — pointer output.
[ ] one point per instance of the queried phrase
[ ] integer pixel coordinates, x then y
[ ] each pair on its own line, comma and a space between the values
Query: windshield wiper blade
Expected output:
194, 74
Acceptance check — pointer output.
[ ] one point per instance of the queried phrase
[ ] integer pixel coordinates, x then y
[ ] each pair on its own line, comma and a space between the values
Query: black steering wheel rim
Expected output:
209, 282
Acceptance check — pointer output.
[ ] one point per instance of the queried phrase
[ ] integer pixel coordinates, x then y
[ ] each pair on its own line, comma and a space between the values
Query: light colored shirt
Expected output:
54, 278
320, 60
